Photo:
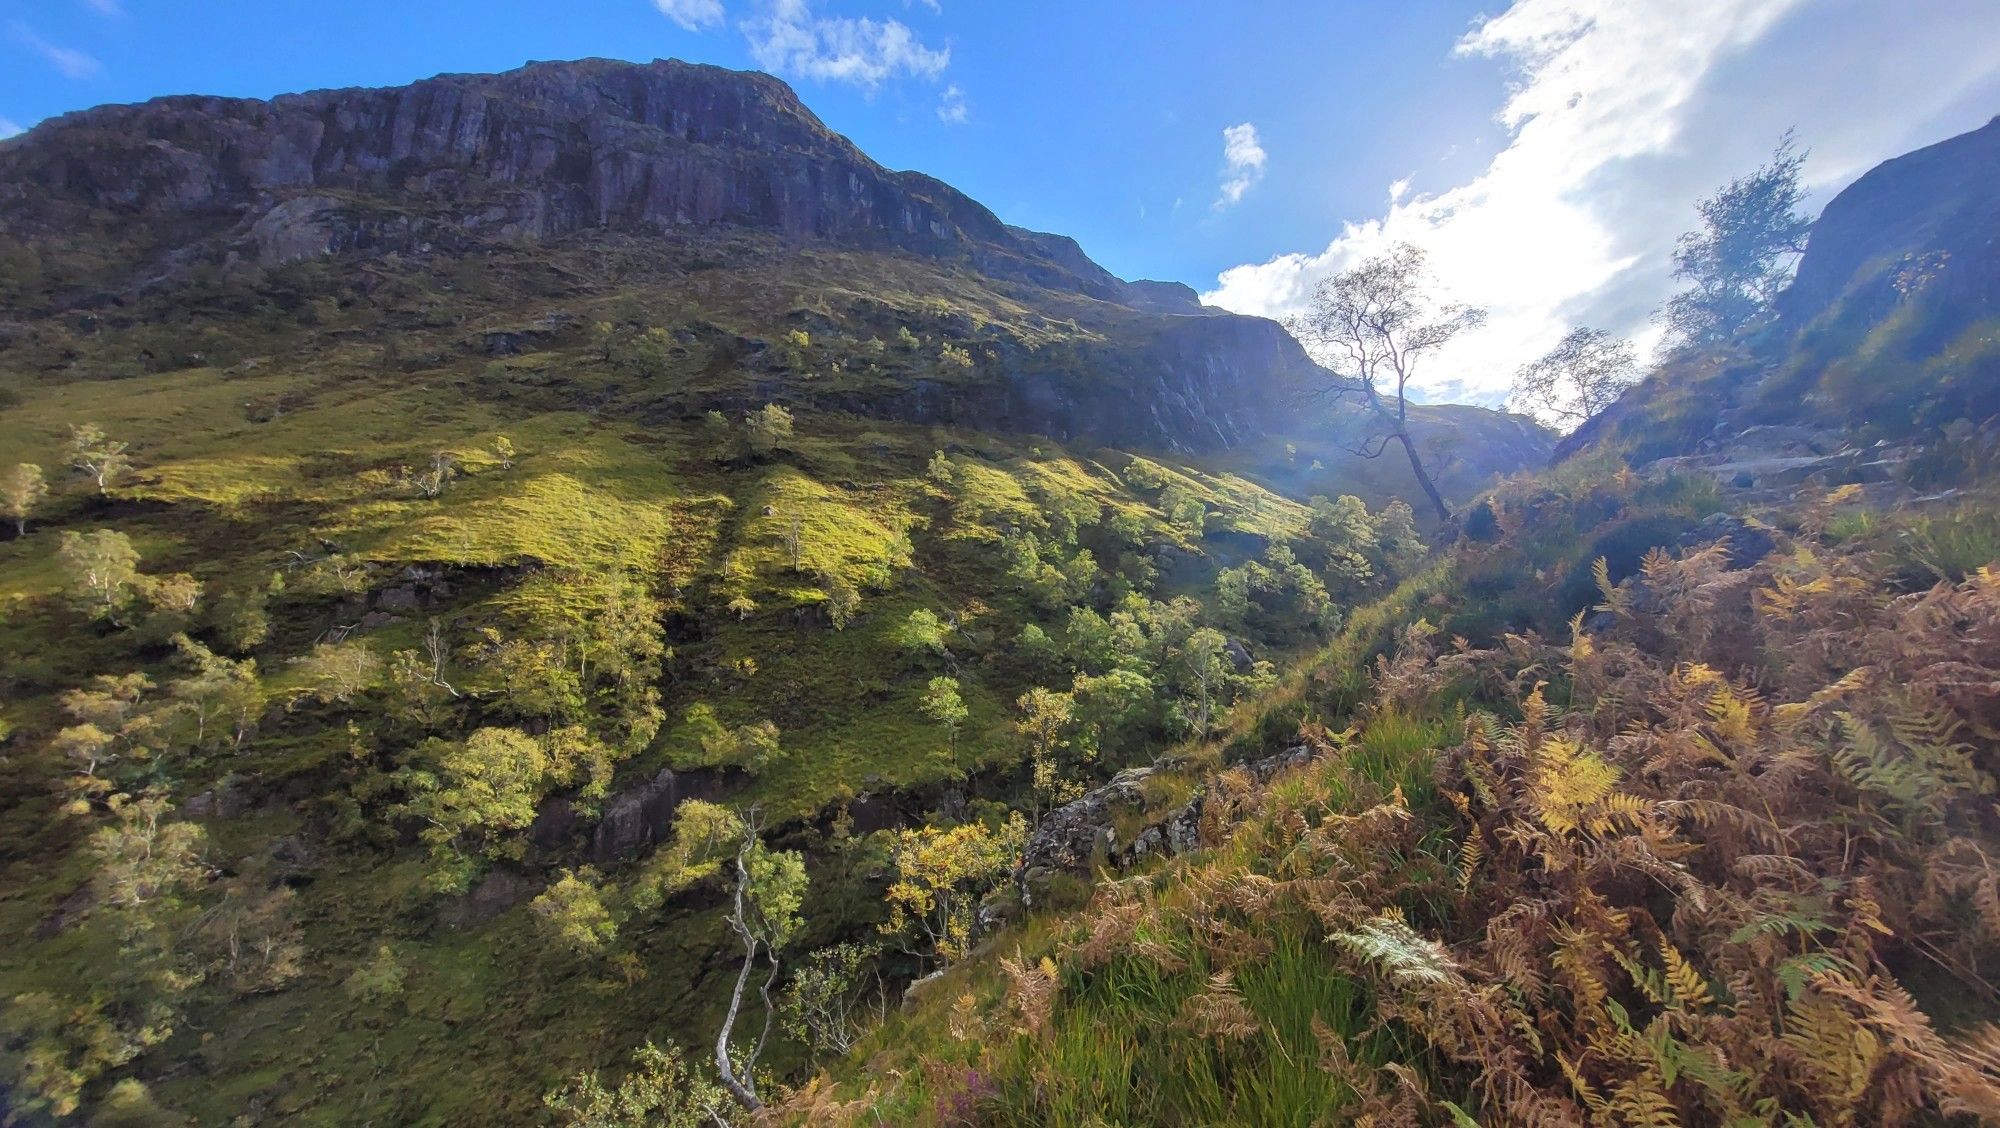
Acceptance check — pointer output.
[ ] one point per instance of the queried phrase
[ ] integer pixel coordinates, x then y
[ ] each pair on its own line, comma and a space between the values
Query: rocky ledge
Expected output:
1113, 827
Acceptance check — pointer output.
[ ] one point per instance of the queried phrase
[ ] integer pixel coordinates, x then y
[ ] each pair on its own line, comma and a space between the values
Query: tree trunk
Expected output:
1423, 477
743, 1092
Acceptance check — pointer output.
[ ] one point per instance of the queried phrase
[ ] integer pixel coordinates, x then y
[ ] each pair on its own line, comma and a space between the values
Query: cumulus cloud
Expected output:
951, 107
72, 63
1243, 163
1621, 116
791, 40
692, 14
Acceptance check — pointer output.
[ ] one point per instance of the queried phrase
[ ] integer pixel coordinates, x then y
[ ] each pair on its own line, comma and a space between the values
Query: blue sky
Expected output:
1544, 151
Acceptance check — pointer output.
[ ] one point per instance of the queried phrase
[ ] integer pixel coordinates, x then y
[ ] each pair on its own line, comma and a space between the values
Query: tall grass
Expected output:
1952, 544
1117, 1056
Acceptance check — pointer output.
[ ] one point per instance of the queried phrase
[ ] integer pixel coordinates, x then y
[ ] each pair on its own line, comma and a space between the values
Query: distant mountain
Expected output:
123, 200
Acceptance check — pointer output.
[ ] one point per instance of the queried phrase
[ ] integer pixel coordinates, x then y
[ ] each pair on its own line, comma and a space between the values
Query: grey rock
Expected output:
871, 813
223, 801
1238, 655
636, 818
555, 820
70, 910
1081, 837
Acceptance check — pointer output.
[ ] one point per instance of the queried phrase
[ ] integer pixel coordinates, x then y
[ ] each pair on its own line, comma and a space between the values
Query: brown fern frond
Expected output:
1219, 1012
1031, 991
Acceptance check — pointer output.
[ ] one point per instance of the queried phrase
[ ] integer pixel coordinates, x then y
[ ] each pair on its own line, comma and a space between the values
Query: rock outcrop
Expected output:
1886, 331
534, 153
1113, 827
1932, 211
452, 166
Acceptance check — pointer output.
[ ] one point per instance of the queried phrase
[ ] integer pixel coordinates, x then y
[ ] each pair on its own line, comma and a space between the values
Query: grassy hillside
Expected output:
1704, 840
349, 795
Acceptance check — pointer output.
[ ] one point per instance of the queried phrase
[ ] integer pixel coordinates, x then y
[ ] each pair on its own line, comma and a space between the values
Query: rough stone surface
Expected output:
1923, 227
457, 164
1081, 837
555, 821
636, 818
223, 801
501, 889
533, 153
1938, 200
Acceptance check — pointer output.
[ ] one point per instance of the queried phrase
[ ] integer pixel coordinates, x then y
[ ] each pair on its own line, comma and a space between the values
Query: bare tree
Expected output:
793, 538
1578, 378
764, 915
1371, 324
438, 649
434, 480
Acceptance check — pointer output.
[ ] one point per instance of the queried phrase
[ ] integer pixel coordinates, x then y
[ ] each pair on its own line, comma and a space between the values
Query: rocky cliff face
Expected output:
1933, 212
542, 151
460, 164
1889, 331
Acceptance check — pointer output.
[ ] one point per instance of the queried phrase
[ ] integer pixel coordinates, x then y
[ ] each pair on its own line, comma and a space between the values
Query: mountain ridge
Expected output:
118, 199
593, 142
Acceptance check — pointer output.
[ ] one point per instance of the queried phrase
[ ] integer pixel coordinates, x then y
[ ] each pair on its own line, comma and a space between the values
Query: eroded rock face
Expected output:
1172, 383
533, 153
635, 818
1084, 836
454, 165
1915, 242
1932, 211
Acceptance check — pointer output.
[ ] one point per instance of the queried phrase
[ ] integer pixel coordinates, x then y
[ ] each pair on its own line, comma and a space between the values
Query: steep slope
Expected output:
1689, 821
101, 204
1890, 328
1932, 211
512, 460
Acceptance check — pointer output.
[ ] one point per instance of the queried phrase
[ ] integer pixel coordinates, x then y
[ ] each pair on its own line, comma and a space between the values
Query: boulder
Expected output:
555, 821
223, 801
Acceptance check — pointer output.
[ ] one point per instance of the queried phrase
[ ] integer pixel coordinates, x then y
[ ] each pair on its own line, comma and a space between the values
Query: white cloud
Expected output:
1622, 115
9, 128
693, 15
952, 109
72, 63
1399, 188
1243, 161
109, 8
791, 40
